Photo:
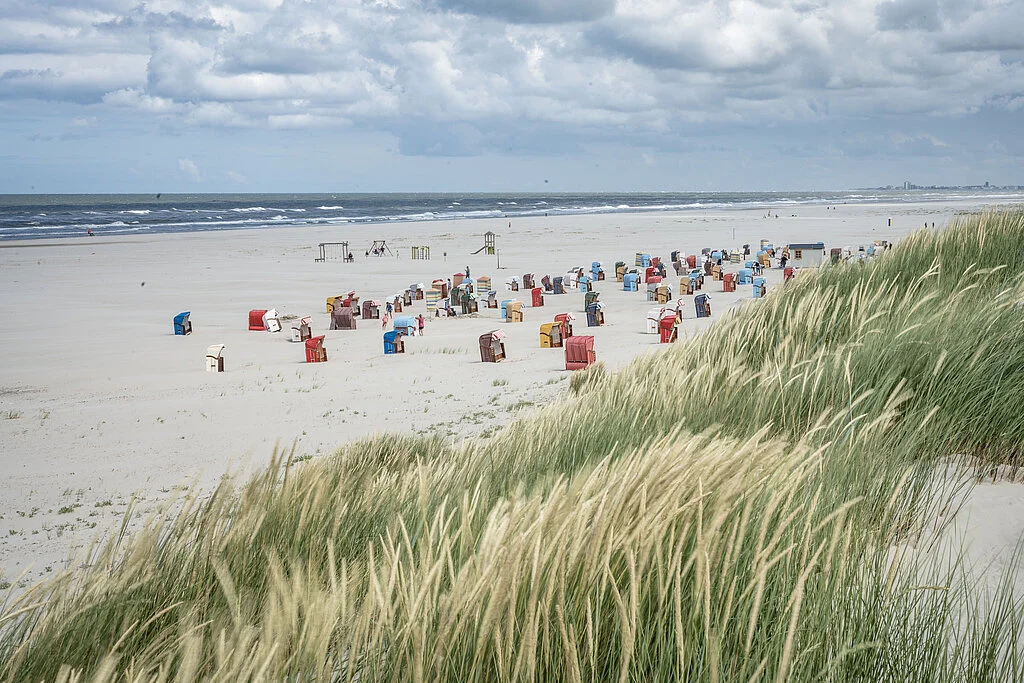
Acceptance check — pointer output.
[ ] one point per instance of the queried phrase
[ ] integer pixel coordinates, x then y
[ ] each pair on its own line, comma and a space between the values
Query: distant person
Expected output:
420, 323
388, 308
782, 261
89, 232
384, 321
467, 272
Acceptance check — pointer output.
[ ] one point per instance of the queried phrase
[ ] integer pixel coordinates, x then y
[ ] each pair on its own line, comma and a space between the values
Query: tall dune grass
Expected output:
741, 507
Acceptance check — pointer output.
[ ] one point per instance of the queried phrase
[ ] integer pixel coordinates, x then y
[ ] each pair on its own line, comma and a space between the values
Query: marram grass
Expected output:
746, 506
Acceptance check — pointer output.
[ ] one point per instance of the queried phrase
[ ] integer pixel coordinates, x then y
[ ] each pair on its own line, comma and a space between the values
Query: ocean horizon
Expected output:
48, 216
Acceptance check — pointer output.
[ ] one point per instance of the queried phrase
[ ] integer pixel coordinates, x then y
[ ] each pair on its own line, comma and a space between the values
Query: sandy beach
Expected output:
100, 402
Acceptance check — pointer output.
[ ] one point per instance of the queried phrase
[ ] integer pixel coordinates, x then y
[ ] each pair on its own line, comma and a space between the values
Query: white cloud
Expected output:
189, 168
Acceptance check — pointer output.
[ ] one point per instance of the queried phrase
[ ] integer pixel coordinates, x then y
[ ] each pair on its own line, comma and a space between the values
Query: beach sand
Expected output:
99, 402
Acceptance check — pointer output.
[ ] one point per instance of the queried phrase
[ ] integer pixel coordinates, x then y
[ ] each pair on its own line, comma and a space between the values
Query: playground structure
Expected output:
379, 248
421, 253
488, 243
333, 251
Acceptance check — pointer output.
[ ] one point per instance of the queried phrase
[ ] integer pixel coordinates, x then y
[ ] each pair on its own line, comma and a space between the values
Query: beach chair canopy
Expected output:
493, 335
182, 317
314, 342
214, 350
404, 322
391, 336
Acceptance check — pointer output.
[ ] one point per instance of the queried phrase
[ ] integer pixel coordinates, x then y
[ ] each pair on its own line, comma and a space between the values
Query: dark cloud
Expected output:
141, 18
530, 11
902, 15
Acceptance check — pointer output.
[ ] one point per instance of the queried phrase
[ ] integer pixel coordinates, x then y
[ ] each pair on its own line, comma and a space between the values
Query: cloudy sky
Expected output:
492, 95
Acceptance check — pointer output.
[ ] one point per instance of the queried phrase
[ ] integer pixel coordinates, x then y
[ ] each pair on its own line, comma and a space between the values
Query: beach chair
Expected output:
512, 283
649, 273
182, 325
315, 351
764, 259
760, 287
434, 297
685, 285
702, 303
515, 312
597, 271
652, 292
492, 299
492, 350
470, 303
745, 276
585, 283
393, 343
595, 314
256, 320
537, 295
371, 310
483, 284
457, 279
528, 282
559, 286
405, 325
565, 321
589, 298
215, 358
663, 294
407, 297
620, 270
547, 284
271, 321
579, 352
836, 255
653, 319
787, 274
550, 335
668, 327
691, 261
729, 282
698, 279
629, 282
302, 330
342, 319
708, 266
645, 261
716, 272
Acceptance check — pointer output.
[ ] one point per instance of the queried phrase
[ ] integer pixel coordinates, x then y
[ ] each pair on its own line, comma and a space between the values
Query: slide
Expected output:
478, 250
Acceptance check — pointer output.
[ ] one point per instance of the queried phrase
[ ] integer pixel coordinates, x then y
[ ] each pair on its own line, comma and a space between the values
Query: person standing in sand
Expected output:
467, 272
420, 323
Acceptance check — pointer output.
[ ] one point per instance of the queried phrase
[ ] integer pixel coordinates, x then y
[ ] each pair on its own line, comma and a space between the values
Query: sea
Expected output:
55, 216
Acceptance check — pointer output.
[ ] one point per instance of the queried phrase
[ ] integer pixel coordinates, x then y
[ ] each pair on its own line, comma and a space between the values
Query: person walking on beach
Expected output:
389, 308
467, 272
420, 323
384, 321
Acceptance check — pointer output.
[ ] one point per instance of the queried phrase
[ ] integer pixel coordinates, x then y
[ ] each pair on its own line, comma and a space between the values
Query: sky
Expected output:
508, 95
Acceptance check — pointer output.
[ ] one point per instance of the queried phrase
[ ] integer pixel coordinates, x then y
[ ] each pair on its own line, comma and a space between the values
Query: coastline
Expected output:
104, 403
